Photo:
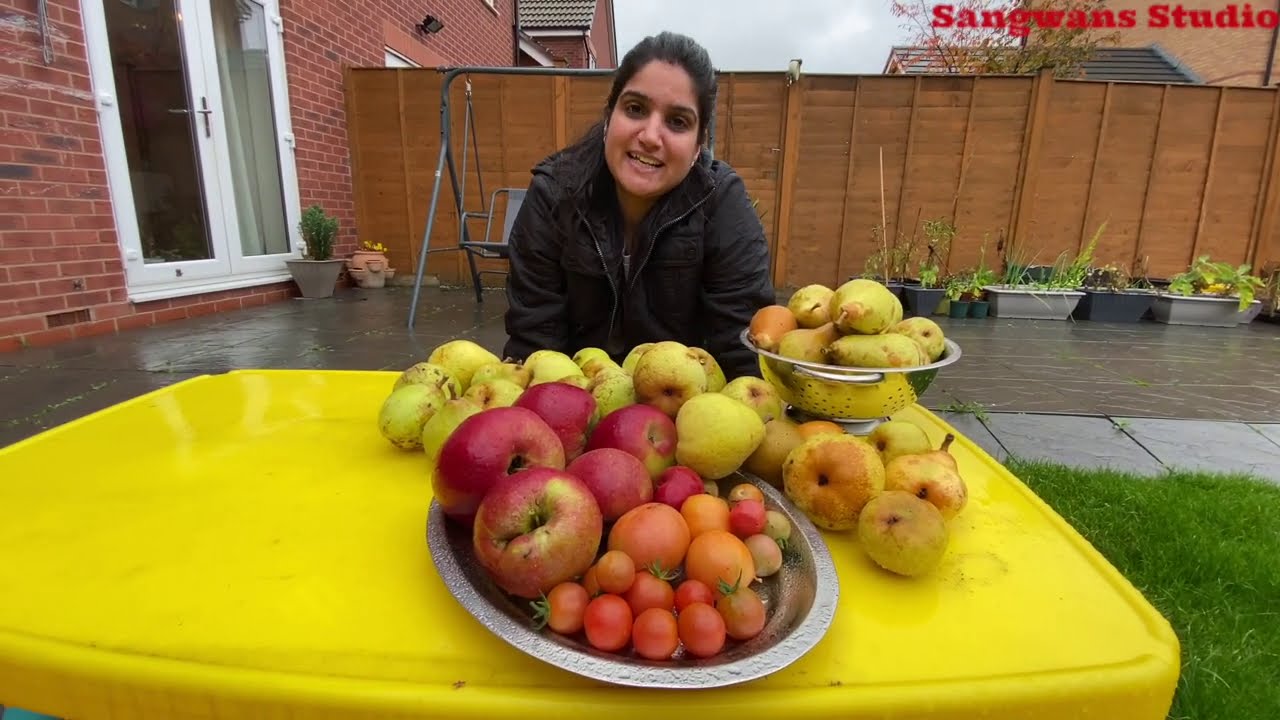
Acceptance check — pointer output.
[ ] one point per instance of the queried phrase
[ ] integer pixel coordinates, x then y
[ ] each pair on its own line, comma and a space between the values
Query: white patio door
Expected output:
195, 121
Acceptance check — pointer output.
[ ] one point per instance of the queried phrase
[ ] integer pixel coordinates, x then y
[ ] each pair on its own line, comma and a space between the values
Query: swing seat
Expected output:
489, 249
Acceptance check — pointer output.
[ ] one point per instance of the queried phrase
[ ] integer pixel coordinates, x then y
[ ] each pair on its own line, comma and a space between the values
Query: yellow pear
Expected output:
668, 375
925, 332
811, 305
808, 344
462, 358
715, 434
876, 351
781, 436
864, 306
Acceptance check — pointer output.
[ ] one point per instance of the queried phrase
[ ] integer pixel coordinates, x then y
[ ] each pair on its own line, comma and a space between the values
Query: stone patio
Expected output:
1139, 397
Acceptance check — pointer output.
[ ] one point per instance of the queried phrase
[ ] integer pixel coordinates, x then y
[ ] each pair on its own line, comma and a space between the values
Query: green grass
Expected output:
1205, 550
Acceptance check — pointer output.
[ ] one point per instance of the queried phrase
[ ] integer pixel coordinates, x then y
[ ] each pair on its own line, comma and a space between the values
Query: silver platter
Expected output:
800, 598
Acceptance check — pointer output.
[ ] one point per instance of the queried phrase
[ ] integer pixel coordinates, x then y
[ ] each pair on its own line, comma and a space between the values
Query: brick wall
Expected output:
61, 273
572, 49
1220, 56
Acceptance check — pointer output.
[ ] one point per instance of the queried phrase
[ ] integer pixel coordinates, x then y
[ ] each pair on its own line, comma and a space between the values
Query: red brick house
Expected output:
568, 33
155, 155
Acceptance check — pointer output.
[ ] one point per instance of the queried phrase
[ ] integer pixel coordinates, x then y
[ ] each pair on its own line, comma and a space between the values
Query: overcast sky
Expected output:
831, 36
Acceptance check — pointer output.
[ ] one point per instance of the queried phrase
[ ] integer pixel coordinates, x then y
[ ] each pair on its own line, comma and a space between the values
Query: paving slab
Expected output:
1270, 431
1085, 442
972, 427
1207, 446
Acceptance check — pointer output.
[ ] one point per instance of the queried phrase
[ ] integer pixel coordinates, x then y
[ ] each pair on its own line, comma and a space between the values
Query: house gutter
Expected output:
1271, 52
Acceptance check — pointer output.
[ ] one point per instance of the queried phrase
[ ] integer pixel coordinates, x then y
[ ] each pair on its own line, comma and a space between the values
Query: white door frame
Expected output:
229, 269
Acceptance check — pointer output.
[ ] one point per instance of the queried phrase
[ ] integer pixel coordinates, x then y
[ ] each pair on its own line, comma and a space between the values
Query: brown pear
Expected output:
769, 324
942, 454
924, 476
781, 435
808, 344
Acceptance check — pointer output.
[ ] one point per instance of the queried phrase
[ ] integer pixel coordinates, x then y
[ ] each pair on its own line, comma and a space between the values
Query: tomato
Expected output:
743, 612
650, 591
655, 635
701, 629
692, 591
705, 512
745, 491
591, 581
718, 556
562, 608
607, 621
615, 571
652, 533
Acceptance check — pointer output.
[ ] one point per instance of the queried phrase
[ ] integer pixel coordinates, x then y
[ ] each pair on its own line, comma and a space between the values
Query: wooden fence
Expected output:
1174, 171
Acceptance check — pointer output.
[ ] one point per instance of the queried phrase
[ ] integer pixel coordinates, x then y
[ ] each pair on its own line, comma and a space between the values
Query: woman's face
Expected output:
652, 138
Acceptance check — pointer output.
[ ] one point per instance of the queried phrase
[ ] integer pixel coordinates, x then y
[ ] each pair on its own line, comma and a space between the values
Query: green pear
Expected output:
756, 394
715, 375
925, 332
877, 351
633, 357
865, 307
902, 533
898, 437
578, 381
442, 424
462, 358
587, 354
612, 389
668, 375
808, 344
549, 366
405, 411
595, 366
715, 434
811, 305
494, 393
425, 373
512, 371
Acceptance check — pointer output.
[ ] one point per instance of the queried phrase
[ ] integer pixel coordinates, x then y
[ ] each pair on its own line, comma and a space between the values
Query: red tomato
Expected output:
563, 608
607, 621
701, 630
692, 591
650, 591
656, 634
743, 612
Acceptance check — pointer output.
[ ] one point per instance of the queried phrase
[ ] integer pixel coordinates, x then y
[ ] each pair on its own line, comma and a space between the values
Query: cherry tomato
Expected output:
701, 629
615, 571
607, 621
655, 635
562, 608
692, 591
703, 513
650, 591
743, 612
745, 491
591, 582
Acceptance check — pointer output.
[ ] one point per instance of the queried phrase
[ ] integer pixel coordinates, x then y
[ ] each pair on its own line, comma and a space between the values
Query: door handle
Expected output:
205, 111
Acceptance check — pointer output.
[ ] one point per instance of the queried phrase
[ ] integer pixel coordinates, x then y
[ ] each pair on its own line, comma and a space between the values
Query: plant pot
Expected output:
1114, 307
979, 308
1032, 303
1248, 314
315, 278
958, 309
360, 259
923, 301
1204, 310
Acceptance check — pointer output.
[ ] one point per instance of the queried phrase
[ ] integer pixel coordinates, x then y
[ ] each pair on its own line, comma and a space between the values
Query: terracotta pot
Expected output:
360, 259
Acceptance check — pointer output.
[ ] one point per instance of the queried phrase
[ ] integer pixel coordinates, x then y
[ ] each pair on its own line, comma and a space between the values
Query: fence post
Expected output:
1262, 234
787, 181
1029, 166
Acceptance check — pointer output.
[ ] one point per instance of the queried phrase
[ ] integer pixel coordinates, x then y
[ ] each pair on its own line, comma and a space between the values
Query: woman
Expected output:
633, 234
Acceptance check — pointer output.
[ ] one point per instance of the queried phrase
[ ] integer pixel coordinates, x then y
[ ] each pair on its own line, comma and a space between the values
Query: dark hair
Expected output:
584, 159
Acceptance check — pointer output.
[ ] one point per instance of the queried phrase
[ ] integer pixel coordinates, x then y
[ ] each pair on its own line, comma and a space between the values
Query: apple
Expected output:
677, 484
747, 518
535, 529
642, 430
615, 477
486, 448
568, 409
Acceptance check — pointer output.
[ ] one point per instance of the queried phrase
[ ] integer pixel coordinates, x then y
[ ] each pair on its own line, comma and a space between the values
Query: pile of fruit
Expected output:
591, 489
859, 324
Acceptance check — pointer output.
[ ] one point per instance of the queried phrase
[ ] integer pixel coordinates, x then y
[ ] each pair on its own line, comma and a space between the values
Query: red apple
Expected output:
568, 409
486, 448
642, 430
747, 518
616, 478
536, 529
676, 484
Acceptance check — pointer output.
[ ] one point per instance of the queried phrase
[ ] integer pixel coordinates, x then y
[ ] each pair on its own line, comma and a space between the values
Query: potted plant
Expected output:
1112, 295
923, 297
888, 264
369, 266
1213, 294
957, 286
316, 273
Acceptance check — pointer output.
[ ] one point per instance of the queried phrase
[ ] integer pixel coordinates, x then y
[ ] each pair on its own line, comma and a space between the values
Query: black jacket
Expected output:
699, 272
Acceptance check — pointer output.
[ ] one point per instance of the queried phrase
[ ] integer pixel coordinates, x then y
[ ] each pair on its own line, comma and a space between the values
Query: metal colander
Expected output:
847, 394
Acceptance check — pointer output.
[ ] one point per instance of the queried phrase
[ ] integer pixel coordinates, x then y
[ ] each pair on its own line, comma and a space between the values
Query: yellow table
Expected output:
247, 545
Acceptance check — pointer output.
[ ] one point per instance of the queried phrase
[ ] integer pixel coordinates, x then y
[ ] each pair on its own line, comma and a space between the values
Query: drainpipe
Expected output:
1271, 52
515, 33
